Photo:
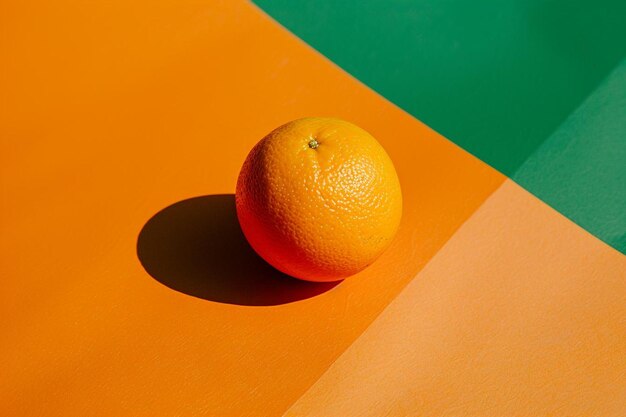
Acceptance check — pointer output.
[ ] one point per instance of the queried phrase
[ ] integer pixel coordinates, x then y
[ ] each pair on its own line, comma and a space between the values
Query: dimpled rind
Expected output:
319, 213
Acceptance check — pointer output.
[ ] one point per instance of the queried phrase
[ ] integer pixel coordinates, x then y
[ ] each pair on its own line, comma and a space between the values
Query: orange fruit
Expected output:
319, 199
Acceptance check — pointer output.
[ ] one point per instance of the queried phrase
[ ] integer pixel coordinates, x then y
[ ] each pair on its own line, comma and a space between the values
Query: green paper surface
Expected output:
581, 169
495, 77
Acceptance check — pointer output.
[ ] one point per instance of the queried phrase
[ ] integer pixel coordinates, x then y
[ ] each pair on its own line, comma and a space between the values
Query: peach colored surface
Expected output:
522, 313
113, 111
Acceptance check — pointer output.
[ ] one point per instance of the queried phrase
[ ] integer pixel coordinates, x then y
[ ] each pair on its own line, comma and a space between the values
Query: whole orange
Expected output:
319, 199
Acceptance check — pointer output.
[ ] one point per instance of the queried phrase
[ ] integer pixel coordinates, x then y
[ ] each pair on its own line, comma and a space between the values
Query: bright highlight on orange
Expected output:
319, 199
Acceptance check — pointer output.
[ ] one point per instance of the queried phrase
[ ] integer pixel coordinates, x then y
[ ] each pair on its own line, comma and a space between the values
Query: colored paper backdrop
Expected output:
127, 288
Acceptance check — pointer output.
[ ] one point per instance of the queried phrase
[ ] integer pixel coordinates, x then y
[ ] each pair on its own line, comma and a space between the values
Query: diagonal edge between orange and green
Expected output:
498, 79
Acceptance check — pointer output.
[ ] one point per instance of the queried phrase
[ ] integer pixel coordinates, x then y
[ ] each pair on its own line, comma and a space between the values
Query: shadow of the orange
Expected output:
196, 247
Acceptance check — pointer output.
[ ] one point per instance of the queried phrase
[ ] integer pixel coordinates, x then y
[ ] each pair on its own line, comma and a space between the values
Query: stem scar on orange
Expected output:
319, 199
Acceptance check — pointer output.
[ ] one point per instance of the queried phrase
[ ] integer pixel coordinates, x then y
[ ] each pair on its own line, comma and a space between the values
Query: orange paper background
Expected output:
114, 111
